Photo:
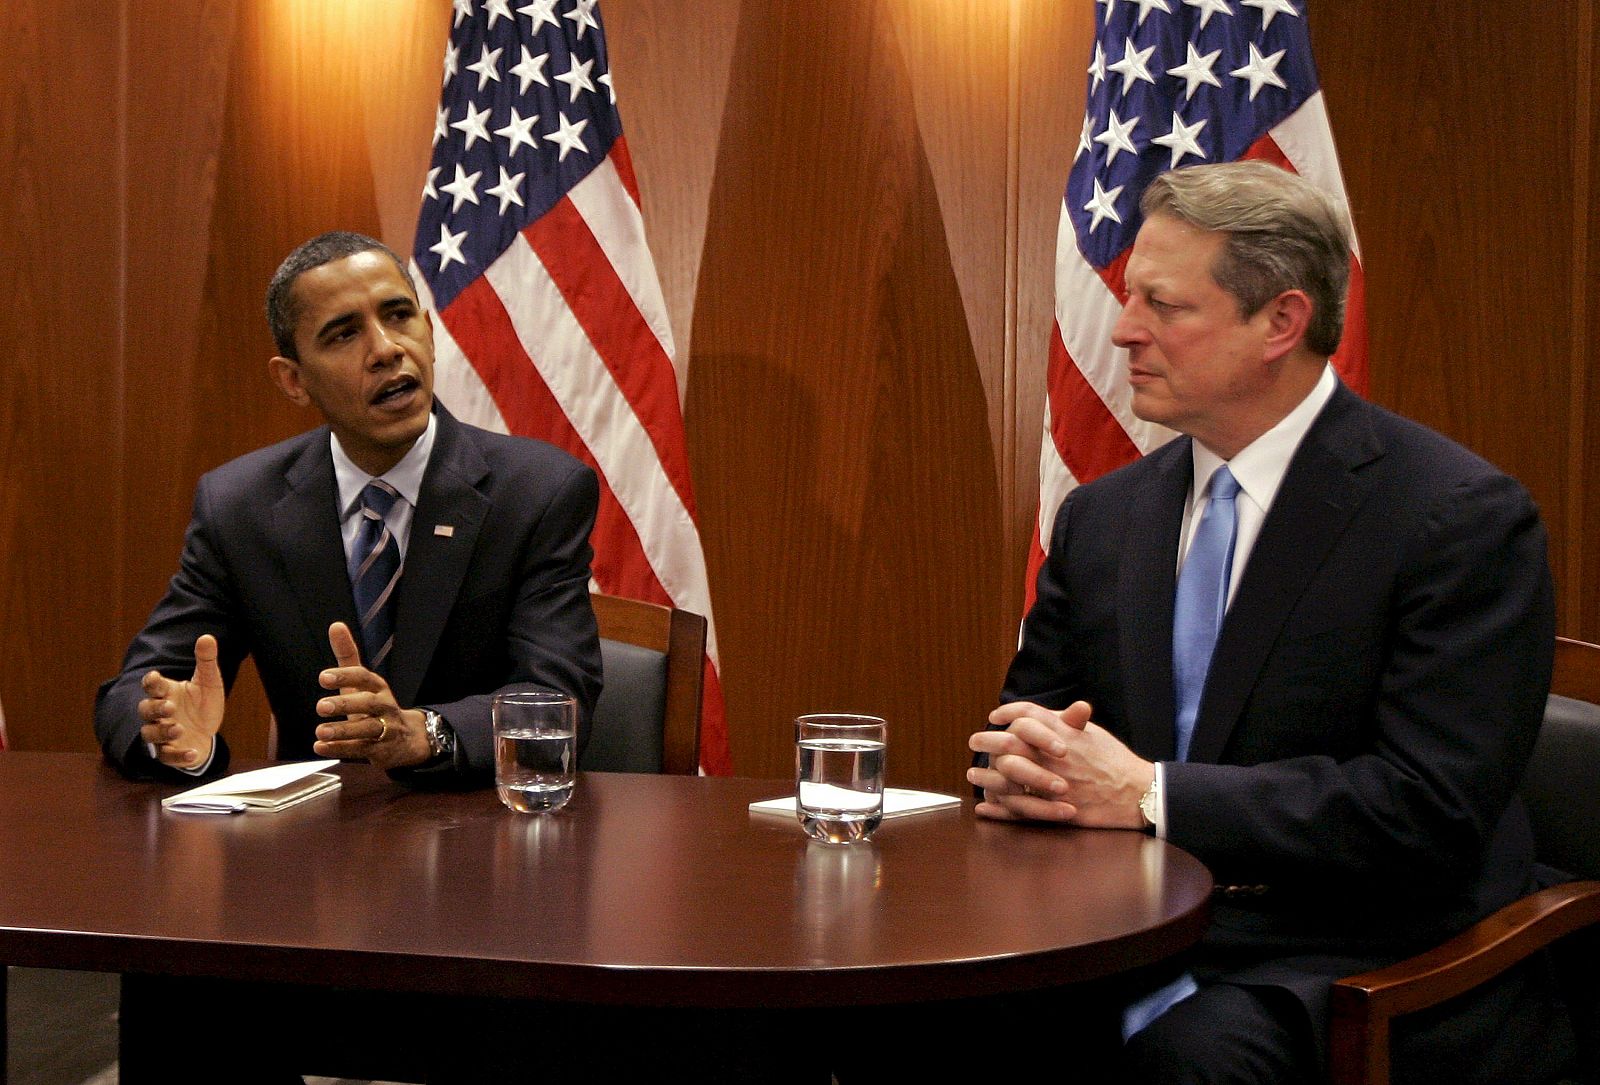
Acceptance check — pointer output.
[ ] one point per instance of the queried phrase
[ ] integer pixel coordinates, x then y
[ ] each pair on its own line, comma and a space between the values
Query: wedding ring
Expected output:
384, 732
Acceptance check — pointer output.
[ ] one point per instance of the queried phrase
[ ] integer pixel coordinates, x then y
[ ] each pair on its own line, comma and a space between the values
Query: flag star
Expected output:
1117, 137
1146, 5
1260, 71
1097, 68
452, 62
1269, 8
1101, 206
487, 67
582, 15
428, 191
463, 10
464, 188
1181, 140
541, 12
530, 70
1196, 69
449, 247
1132, 66
1209, 8
495, 9
570, 136
441, 125
606, 79
577, 78
518, 130
473, 125
506, 190
1085, 137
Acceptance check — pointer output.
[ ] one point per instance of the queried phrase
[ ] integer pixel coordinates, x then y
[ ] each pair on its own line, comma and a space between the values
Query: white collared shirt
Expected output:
1259, 468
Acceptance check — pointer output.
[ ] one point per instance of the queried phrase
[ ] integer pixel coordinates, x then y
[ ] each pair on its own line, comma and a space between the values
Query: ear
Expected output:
1288, 316
285, 373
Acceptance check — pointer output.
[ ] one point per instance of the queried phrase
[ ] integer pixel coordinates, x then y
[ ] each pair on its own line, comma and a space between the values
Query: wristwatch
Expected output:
1147, 805
441, 738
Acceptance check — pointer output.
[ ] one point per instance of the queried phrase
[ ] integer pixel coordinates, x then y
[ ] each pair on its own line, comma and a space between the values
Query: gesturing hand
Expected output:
375, 727
181, 719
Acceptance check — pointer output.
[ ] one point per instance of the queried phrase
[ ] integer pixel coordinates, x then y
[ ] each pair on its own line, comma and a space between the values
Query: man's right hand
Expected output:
181, 719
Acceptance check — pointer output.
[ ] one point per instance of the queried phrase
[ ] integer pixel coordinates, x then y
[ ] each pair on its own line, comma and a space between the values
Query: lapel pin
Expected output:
444, 531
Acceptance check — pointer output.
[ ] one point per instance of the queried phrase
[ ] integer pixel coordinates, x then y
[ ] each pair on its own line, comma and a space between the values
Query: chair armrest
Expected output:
1364, 1004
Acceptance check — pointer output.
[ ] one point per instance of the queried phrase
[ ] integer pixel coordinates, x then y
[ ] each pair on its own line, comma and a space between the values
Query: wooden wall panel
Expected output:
1459, 171
838, 427
63, 516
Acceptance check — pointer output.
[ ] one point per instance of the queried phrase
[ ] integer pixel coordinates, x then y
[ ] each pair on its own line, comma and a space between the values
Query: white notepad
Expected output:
897, 802
275, 788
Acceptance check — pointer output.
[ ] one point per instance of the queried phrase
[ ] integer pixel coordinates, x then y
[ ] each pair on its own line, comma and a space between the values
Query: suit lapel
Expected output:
444, 532
1320, 492
1145, 590
305, 530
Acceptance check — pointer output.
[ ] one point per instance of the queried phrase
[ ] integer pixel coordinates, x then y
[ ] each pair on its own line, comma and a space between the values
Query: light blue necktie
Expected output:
1201, 602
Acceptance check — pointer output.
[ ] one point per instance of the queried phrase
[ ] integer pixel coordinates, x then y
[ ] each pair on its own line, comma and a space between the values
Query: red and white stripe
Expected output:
1089, 424
565, 337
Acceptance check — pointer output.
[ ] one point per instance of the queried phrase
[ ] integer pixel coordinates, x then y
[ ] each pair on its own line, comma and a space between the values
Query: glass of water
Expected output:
535, 750
839, 776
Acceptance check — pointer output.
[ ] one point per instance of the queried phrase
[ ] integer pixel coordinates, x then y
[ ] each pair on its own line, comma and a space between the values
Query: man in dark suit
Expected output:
486, 539
491, 587
1342, 743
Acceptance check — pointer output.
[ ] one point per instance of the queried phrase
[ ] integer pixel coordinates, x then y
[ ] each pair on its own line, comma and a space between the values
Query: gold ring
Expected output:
384, 724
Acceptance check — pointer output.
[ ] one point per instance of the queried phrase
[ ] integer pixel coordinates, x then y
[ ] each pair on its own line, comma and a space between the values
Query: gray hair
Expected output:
283, 310
1280, 233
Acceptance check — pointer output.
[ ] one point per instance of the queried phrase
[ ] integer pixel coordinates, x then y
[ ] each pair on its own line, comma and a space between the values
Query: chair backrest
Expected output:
1559, 790
648, 715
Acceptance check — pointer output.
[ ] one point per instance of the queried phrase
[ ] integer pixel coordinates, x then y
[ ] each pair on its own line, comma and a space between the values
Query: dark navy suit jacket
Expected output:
495, 592
1374, 695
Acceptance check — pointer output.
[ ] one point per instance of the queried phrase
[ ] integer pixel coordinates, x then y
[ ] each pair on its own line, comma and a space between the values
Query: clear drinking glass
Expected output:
839, 776
535, 750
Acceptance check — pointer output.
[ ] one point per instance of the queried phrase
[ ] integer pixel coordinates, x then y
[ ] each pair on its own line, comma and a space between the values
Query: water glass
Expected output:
535, 750
839, 776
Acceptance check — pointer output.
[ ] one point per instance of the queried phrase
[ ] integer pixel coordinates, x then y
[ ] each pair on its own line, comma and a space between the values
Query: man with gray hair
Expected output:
1308, 641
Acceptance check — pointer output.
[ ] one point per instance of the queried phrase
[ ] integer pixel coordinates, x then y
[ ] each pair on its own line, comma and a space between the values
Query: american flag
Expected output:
549, 318
1172, 83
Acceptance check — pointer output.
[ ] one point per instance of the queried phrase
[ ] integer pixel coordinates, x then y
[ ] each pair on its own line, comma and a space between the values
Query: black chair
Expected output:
1563, 802
648, 715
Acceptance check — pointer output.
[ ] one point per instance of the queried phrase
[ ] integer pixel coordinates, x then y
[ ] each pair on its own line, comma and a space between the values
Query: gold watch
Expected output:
1147, 805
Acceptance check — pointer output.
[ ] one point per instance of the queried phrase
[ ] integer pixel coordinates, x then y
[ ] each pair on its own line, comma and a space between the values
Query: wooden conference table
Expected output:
645, 891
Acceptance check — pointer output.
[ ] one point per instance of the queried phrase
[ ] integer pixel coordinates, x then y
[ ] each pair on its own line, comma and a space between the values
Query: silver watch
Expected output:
441, 739
1147, 805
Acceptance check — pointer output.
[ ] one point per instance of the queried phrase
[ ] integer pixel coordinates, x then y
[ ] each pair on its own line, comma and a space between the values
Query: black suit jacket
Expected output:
494, 594
1374, 695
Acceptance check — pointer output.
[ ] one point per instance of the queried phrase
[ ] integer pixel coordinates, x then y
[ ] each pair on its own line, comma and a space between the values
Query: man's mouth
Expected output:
395, 390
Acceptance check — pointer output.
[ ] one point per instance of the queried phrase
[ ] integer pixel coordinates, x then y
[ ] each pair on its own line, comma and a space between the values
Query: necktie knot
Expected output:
377, 498
1224, 487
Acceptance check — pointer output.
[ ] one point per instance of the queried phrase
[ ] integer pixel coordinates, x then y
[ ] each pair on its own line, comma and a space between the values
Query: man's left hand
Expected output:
1058, 766
375, 727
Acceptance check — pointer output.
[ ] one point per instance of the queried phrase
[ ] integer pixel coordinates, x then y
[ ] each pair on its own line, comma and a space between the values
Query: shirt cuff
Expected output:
1161, 801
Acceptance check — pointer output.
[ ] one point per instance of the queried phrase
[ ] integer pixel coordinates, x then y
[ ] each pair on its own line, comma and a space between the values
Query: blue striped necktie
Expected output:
374, 572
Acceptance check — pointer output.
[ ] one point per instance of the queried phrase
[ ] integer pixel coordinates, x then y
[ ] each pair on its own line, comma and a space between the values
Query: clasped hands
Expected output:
1058, 766
181, 718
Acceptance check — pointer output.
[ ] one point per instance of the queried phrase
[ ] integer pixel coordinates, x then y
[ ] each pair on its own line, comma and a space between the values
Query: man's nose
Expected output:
385, 349
1127, 330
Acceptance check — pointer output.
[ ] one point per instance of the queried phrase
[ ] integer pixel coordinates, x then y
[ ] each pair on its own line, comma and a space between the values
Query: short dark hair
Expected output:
283, 312
1280, 233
